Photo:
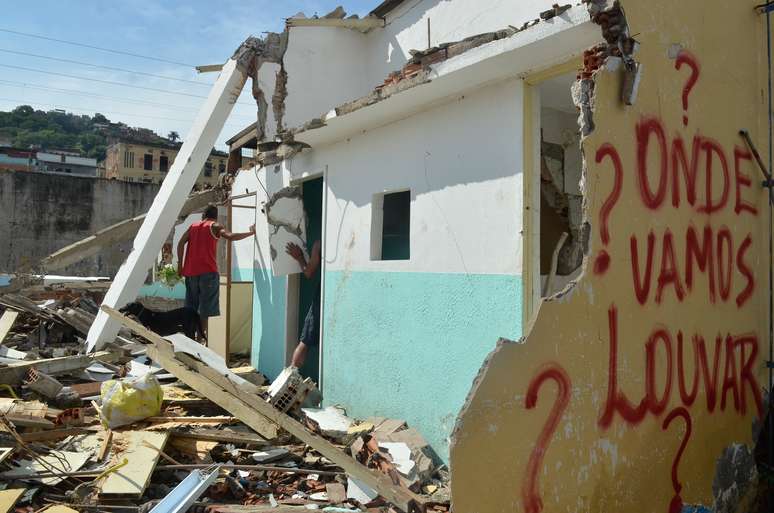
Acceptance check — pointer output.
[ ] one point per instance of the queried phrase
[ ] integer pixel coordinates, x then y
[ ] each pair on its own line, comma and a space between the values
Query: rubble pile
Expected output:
156, 425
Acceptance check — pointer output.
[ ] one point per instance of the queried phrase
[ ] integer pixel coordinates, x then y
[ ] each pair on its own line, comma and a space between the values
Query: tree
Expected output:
173, 136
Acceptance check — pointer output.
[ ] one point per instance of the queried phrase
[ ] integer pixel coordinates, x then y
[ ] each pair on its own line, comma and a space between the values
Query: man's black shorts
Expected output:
310, 334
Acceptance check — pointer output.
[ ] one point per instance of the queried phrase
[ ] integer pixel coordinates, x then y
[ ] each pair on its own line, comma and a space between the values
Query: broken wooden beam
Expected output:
234, 406
54, 434
6, 322
252, 409
14, 373
221, 435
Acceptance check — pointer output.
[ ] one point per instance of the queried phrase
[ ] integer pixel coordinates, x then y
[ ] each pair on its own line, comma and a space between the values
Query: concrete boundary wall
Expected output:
43, 213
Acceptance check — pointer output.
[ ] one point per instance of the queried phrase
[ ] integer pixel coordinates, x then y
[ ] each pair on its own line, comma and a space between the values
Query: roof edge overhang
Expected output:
543, 46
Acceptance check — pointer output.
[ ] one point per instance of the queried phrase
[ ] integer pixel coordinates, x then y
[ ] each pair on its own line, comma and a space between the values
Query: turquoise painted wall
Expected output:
157, 289
238, 274
408, 345
268, 349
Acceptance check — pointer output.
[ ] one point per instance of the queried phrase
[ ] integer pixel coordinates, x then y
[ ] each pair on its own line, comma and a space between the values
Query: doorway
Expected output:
553, 215
312, 194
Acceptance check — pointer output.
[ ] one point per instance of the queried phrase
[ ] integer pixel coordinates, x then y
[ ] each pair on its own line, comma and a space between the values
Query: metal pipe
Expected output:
768, 184
771, 243
257, 468
254, 467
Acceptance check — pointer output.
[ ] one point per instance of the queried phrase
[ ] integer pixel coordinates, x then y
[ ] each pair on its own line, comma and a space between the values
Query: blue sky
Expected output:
190, 32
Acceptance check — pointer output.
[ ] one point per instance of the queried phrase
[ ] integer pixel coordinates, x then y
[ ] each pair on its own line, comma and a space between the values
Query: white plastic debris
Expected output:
401, 457
360, 491
269, 455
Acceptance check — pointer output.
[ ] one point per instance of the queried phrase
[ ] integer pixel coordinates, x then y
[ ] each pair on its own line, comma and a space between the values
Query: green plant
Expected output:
168, 276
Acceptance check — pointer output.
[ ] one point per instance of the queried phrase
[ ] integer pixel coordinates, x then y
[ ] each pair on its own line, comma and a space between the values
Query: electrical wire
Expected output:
111, 68
93, 47
110, 82
87, 94
771, 244
58, 106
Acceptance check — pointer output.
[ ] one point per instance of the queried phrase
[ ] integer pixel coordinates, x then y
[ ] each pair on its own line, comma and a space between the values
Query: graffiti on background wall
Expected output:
672, 169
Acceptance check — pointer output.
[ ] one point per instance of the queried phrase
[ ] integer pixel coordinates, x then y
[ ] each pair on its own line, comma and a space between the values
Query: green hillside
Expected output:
55, 129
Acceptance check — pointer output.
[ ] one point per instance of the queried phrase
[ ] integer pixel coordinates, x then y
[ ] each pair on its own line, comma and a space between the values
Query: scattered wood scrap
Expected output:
214, 420
14, 373
6, 322
255, 410
9, 498
142, 454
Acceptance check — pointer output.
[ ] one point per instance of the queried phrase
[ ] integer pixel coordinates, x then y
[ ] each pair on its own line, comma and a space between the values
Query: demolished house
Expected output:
544, 270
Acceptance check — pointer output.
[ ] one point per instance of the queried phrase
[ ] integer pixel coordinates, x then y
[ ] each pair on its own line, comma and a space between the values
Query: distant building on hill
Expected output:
52, 161
69, 162
148, 163
16, 159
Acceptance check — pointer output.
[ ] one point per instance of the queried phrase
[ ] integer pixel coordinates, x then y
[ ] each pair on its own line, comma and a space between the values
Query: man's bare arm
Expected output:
309, 268
219, 231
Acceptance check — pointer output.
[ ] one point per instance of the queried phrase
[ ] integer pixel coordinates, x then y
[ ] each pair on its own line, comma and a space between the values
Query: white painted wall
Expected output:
329, 66
450, 20
462, 162
326, 67
243, 251
267, 80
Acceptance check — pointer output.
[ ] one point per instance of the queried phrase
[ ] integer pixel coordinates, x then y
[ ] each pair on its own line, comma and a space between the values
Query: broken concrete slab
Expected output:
286, 221
330, 422
337, 493
42, 383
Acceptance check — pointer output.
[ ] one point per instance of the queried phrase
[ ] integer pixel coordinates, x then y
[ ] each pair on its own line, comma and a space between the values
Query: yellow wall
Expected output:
114, 163
546, 426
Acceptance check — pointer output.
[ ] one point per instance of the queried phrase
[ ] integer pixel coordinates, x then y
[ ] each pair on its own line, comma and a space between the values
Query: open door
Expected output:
312, 194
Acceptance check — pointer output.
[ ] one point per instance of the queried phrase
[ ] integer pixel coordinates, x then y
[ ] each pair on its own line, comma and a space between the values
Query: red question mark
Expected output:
602, 262
686, 57
676, 505
530, 495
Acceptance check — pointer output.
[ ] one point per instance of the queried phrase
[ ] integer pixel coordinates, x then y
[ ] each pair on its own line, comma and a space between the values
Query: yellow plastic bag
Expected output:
130, 400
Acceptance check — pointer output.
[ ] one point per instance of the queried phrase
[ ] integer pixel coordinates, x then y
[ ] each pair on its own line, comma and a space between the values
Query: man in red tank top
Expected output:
199, 265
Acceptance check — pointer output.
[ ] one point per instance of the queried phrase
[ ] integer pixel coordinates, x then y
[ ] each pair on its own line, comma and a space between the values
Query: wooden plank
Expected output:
14, 373
132, 479
6, 323
9, 498
107, 441
54, 434
234, 406
258, 408
58, 508
192, 420
221, 435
